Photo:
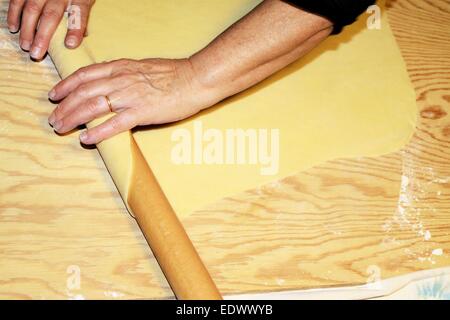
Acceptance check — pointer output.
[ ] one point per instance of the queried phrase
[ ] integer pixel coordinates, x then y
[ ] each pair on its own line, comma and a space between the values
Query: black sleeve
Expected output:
339, 12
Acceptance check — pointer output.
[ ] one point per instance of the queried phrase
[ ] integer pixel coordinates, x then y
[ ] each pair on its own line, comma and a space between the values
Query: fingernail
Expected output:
84, 137
13, 29
71, 41
51, 120
36, 53
25, 45
52, 94
57, 126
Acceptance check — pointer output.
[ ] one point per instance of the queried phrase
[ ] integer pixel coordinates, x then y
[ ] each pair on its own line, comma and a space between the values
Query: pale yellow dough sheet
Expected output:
350, 97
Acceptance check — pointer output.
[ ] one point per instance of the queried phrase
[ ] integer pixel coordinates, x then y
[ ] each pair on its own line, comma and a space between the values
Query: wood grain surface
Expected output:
340, 223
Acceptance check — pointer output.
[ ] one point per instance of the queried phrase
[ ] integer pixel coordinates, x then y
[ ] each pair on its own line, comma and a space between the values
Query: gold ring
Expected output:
109, 103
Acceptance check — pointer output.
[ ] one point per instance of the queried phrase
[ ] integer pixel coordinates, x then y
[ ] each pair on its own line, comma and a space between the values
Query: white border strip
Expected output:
382, 289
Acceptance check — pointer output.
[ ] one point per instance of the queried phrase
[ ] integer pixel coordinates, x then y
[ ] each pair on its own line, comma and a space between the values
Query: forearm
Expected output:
266, 40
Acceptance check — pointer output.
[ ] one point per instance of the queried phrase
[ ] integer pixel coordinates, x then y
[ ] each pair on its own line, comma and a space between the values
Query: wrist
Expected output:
210, 78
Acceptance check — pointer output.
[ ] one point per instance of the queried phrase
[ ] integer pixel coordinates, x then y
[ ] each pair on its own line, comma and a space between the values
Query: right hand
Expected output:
37, 21
141, 92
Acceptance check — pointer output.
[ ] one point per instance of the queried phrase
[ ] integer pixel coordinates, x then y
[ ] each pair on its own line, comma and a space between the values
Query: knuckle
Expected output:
16, 3
84, 6
32, 6
115, 123
122, 61
100, 65
50, 13
123, 76
122, 65
91, 107
82, 73
133, 118
81, 91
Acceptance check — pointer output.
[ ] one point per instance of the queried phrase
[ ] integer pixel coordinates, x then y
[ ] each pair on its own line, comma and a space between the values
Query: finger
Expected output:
84, 113
14, 13
52, 14
100, 87
78, 20
128, 95
82, 75
121, 122
30, 17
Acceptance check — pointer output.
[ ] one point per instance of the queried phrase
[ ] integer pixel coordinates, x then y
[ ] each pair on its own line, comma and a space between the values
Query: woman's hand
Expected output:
151, 91
37, 21
156, 91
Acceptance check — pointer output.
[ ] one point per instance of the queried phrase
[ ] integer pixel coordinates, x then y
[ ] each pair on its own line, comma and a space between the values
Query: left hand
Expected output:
37, 21
141, 92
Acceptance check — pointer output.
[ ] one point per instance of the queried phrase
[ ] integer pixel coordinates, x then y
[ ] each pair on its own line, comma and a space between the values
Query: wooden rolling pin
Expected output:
165, 234
176, 255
